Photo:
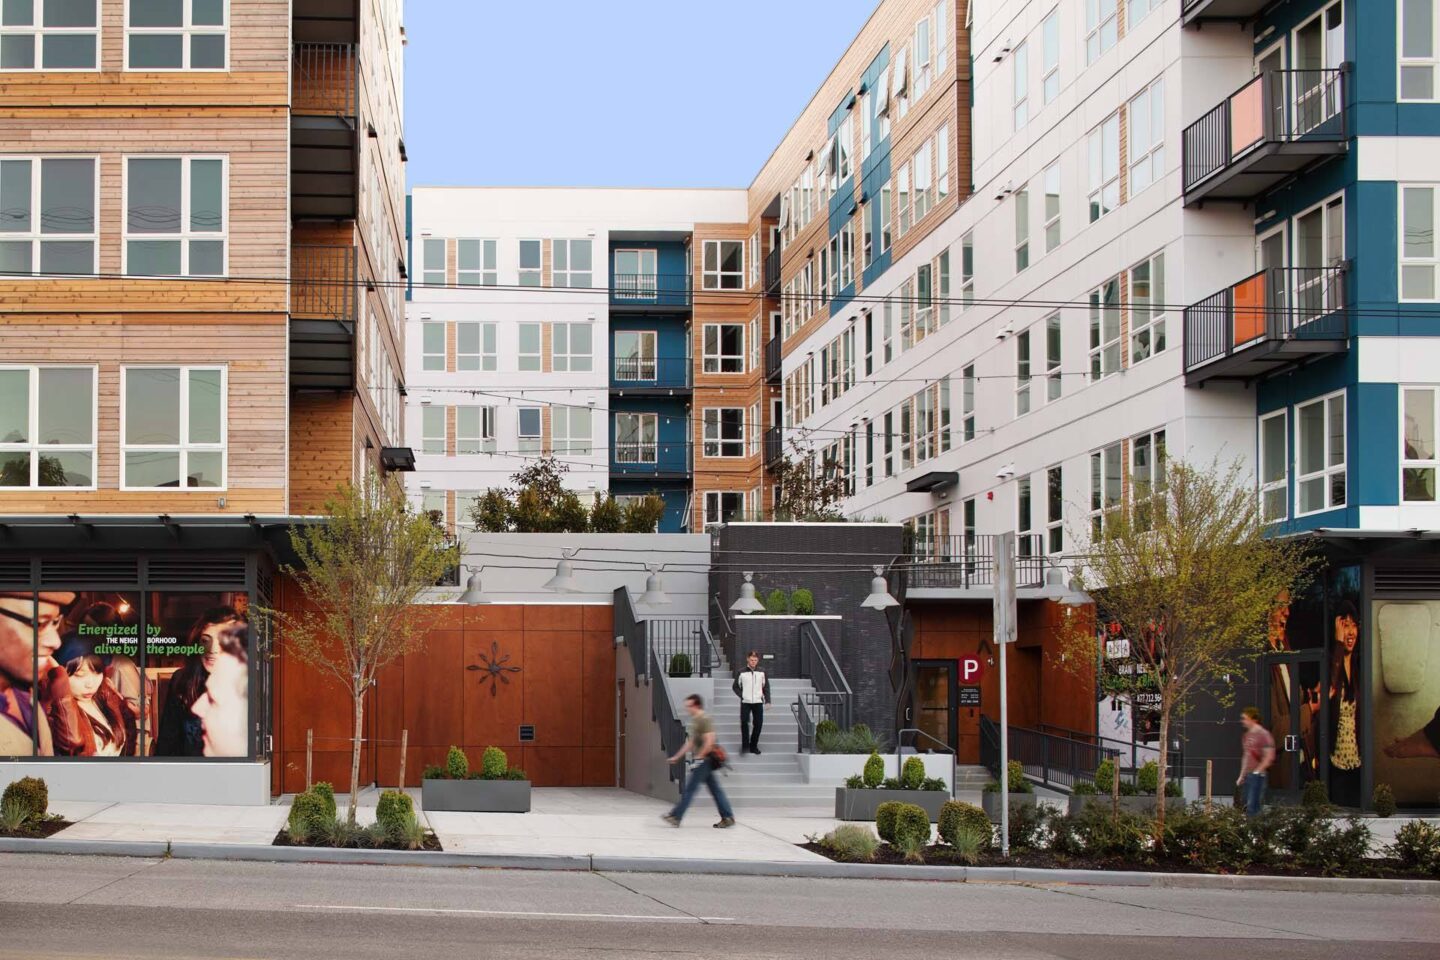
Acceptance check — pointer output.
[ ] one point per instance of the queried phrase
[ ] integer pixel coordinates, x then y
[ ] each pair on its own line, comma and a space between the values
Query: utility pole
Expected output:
1004, 618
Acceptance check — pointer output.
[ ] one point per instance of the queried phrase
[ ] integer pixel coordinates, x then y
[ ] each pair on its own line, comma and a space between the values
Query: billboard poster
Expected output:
196, 660
1405, 685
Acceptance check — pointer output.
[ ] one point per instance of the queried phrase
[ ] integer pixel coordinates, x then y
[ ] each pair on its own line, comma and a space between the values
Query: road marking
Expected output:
651, 918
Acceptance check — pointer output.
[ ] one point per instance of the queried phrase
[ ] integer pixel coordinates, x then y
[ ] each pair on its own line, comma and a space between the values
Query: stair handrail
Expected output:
717, 655
818, 664
631, 631
732, 655
1057, 762
662, 711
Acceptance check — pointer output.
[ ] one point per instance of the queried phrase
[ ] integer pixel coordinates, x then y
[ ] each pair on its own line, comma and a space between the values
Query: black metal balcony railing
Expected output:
650, 289
774, 445
646, 451
656, 372
1275, 108
772, 360
322, 282
1274, 305
961, 562
325, 79
772, 273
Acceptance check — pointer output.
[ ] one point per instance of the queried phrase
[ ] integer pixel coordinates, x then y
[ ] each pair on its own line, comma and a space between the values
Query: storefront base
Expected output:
231, 784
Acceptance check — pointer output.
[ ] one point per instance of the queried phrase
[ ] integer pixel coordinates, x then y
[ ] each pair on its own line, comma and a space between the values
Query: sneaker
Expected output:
671, 819
755, 750
724, 823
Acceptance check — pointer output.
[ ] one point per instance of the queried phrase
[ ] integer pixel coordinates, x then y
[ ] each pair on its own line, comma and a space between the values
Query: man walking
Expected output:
708, 758
753, 688
1258, 748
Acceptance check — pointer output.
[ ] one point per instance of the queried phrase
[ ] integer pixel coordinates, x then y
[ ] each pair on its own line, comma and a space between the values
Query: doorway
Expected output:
1294, 711
936, 704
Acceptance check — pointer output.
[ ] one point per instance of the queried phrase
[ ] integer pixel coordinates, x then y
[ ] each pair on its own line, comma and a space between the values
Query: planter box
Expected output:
837, 767
862, 804
475, 796
1135, 804
990, 803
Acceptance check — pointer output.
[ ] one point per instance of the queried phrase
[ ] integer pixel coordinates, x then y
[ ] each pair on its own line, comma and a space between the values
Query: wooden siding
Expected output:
321, 444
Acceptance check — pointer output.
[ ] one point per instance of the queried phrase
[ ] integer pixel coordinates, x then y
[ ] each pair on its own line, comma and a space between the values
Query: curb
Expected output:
809, 869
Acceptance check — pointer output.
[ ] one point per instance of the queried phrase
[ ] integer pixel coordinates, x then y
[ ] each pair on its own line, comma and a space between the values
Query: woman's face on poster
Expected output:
223, 708
213, 635
85, 681
1347, 632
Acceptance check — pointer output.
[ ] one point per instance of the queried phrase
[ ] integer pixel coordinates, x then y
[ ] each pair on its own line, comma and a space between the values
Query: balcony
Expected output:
326, 21
774, 446
322, 317
324, 125
1274, 127
651, 459
772, 360
1278, 318
650, 292
954, 565
1235, 11
650, 376
772, 273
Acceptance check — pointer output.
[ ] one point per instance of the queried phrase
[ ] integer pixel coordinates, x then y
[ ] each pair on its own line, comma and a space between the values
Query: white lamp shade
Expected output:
564, 579
472, 595
654, 594
747, 602
879, 598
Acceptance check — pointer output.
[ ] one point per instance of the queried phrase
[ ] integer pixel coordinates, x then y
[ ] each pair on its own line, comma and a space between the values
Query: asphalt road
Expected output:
55, 907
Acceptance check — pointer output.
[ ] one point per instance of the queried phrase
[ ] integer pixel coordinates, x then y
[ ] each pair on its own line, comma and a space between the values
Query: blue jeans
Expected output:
1254, 793
701, 774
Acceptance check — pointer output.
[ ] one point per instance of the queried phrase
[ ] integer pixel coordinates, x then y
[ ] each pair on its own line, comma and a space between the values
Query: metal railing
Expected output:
774, 445
1052, 760
962, 562
322, 282
1276, 106
1279, 303
651, 371
772, 272
632, 631
832, 699
651, 289
772, 359
662, 711
325, 79
646, 451
728, 642
681, 644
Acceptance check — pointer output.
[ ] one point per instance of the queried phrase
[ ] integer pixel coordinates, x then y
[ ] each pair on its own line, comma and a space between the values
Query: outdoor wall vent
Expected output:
527, 733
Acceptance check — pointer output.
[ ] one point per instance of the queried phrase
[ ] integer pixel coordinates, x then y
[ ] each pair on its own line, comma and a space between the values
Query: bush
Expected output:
956, 816
1095, 832
1147, 778
874, 771
14, 814
326, 791
1417, 847
1314, 795
457, 765
1016, 780
970, 841
393, 812
309, 817
680, 665
31, 793
1027, 824
803, 602
776, 602
826, 728
912, 773
934, 785
1105, 776
1173, 789
912, 830
434, 772
854, 782
1084, 789
492, 764
892, 783
606, 515
885, 817
1339, 848
1383, 800
1222, 840
851, 842
515, 773
858, 739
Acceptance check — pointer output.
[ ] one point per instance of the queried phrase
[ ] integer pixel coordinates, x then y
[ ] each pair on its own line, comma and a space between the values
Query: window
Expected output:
867, 236
571, 429
1052, 357
49, 35
887, 332
572, 347
844, 137
1104, 168
1147, 476
1022, 373
942, 268
1020, 61
173, 427
1146, 145
755, 343
884, 215
47, 215
175, 35
527, 430
432, 430
1274, 467
724, 506
1105, 485
923, 181
942, 162
967, 270
1418, 46
902, 191
1054, 511
724, 346
529, 275
1147, 308
725, 432
476, 265
571, 266
175, 216
633, 275
1050, 56
635, 436
724, 266
1105, 329
755, 259
432, 345
1102, 28
474, 430
529, 343
432, 262
967, 402
1024, 518
1051, 181
1022, 228
47, 427
1320, 454
634, 354
474, 346
847, 255
922, 58
1418, 256
1419, 461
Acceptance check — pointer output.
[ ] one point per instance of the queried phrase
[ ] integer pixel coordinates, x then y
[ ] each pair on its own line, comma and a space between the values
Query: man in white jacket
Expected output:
753, 689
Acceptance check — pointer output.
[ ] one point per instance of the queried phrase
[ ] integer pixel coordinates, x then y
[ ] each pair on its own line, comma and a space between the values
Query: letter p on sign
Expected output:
972, 668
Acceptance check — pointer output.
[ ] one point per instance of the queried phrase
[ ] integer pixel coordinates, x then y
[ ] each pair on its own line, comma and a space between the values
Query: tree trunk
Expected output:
355, 752
1164, 763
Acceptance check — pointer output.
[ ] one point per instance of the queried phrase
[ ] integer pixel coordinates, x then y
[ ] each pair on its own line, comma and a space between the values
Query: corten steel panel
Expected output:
554, 766
598, 618
554, 686
598, 767
494, 719
506, 616
597, 696
434, 707
540, 616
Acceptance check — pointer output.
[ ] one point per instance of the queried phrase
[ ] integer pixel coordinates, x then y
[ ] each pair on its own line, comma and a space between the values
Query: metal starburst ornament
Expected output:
494, 668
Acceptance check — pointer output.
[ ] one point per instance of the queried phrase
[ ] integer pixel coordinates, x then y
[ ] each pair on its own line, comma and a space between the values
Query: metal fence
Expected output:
681, 644
322, 282
962, 562
1278, 303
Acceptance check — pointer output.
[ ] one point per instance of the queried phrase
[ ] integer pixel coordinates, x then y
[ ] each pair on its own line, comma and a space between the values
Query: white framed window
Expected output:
47, 427
1050, 57
172, 427
49, 35
844, 137
177, 34
923, 62
1147, 308
967, 270
1320, 454
724, 432
572, 430
633, 274
572, 347
636, 436
432, 430
1102, 27
1419, 49
1020, 75
724, 265
570, 264
1024, 517
867, 235
529, 274
755, 259
1022, 373
885, 216
474, 347
1419, 459
724, 347
967, 403
1146, 145
1147, 475
923, 181
175, 216
528, 438
1106, 485
1419, 256
48, 223
1136, 10
942, 162
902, 196
432, 504
1055, 511
1104, 156
432, 262
1275, 466
1050, 181
724, 506
528, 347
432, 345
474, 430
634, 353
1022, 228
1052, 358
847, 255
1105, 329
475, 263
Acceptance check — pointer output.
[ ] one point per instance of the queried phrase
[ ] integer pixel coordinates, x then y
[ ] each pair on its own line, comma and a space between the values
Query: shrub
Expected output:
885, 817
32, 793
457, 765
492, 764
851, 842
892, 783
1027, 824
1220, 840
1314, 795
826, 728
14, 813
515, 773
342, 833
803, 602
854, 782
934, 785
956, 816
394, 810
606, 515
1015, 771
434, 772
1339, 848
1105, 776
309, 817
874, 771
1147, 778
1084, 789
912, 830
680, 665
326, 791
970, 841
776, 602
1417, 847
1173, 789
1383, 800
912, 773
1095, 832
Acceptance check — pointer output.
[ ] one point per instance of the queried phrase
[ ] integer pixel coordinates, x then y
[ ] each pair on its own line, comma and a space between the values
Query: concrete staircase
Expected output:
971, 779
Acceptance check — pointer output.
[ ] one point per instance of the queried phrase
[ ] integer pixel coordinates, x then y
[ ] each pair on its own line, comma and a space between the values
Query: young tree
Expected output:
811, 486
361, 573
1186, 574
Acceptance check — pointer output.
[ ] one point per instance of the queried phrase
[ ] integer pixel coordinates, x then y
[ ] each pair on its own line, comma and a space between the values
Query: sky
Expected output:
656, 93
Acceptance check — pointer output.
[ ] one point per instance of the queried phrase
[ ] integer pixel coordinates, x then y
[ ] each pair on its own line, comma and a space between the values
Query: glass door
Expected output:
1319, 249
935, 704
1294, 708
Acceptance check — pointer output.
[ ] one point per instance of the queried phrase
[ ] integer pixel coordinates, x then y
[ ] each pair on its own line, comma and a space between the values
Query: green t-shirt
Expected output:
699, 726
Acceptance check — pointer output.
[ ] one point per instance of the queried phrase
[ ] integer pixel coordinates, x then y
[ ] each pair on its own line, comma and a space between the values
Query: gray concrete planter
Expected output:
990, 803
475, 796
862, 804
1144, 805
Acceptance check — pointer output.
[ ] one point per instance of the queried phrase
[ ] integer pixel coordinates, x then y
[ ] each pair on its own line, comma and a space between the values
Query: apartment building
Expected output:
201, 263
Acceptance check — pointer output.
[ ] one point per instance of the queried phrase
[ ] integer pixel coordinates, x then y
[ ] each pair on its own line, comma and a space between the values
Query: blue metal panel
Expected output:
1374, 444
672, 434
672, 341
